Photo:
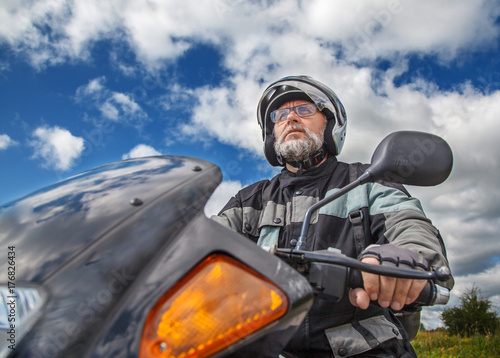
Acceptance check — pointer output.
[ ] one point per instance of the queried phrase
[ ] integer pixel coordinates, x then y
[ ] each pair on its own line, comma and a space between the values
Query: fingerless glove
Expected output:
392, 255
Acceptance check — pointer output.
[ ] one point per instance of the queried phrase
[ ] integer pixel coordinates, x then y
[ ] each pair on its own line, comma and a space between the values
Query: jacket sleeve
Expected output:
231, 215
242, 212
400, 220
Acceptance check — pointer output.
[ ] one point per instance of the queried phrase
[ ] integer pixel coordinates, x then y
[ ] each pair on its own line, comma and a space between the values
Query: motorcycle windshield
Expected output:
53, 224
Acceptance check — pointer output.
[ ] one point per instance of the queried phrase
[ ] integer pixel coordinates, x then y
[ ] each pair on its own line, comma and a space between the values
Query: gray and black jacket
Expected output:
272, 211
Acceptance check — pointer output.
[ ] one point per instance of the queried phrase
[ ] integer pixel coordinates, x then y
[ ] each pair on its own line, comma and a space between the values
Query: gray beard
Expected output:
297, 150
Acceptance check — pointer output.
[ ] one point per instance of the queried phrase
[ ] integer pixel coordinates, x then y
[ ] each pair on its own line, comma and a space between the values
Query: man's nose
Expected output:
293, 116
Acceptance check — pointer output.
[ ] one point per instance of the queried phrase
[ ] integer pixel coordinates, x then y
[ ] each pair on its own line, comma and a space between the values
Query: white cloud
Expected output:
120, 105
6, 142
94, 89
114, 106
50, 32
224, 113
162, 30
56, 147
383, 29
141, 150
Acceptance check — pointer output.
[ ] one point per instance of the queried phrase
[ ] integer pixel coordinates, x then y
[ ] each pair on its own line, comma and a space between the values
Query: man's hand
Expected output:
389, 291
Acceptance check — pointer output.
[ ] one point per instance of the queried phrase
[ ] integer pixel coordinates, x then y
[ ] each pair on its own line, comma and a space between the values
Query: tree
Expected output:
472, 316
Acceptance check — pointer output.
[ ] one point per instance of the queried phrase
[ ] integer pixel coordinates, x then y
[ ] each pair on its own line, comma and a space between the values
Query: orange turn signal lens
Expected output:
216, 304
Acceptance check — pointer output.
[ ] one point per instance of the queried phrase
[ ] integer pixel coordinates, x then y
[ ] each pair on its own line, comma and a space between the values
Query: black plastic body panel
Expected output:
108, 243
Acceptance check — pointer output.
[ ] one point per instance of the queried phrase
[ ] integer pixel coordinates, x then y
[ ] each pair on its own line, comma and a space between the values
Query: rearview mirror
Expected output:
413, 158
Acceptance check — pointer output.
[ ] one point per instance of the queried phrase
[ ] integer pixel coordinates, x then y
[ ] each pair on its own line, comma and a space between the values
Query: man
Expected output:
303, 127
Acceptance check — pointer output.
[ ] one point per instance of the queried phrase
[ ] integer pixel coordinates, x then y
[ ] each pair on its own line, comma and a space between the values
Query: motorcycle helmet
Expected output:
306, 88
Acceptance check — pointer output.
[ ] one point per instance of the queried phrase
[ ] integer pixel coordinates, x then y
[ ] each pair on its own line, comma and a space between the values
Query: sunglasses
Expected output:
302, 110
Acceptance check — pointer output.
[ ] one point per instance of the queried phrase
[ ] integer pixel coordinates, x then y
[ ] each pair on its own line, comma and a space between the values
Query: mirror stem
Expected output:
302, 241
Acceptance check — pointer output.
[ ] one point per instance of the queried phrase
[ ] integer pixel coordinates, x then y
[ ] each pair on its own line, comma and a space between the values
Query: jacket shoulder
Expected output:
356, 169
252, 190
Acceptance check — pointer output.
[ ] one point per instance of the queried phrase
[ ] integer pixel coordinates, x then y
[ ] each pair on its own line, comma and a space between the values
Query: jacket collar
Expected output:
323, 170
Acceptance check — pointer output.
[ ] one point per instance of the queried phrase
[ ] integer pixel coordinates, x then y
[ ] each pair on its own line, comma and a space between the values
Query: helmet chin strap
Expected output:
308, 163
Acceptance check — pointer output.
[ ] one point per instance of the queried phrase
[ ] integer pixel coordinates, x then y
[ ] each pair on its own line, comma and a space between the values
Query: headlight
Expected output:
216, 304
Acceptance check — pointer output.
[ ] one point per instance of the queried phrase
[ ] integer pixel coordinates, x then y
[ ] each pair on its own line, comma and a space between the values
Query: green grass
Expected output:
439, 344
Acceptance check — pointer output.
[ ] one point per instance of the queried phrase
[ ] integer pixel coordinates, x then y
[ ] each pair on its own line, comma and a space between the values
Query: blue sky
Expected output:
83, 83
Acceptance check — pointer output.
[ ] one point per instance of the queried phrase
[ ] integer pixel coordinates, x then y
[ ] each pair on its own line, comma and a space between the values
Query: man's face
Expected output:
298, 138
294, 126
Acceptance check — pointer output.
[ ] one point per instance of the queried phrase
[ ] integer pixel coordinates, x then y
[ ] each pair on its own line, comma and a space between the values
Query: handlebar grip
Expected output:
430, 295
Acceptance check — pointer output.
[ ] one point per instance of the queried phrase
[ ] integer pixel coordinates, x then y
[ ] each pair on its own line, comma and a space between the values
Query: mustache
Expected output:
291, 128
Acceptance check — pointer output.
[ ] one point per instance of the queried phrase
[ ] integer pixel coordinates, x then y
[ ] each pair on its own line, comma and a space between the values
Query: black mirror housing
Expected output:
413, 158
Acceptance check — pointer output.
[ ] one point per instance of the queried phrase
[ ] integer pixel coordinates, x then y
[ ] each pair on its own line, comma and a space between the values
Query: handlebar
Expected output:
432, 294
330, 272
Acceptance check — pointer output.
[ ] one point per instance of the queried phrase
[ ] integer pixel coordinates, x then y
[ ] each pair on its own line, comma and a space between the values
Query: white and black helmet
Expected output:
308, 89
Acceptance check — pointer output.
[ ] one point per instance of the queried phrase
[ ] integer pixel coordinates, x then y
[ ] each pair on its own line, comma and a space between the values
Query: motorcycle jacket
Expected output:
271, 212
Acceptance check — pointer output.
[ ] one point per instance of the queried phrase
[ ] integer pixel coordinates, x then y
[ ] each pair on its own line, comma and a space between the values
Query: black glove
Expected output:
392, 255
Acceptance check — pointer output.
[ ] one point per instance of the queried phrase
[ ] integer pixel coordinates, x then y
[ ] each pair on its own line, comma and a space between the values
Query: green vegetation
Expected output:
473, 316
471, 331
440, 344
